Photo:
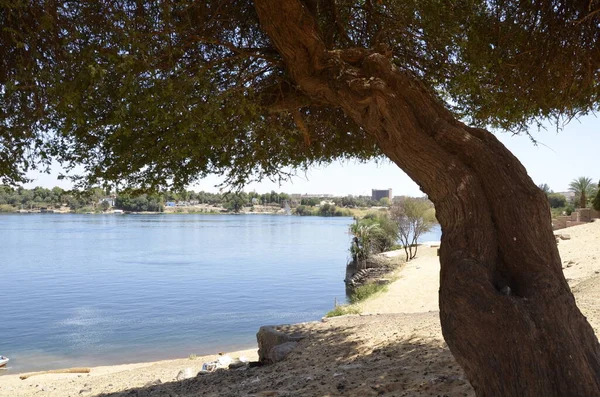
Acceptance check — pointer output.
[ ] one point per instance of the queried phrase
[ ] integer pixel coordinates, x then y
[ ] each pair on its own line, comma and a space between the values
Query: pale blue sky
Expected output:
558, 159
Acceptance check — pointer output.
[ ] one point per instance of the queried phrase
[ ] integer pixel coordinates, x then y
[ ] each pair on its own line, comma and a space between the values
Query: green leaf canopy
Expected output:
155, 94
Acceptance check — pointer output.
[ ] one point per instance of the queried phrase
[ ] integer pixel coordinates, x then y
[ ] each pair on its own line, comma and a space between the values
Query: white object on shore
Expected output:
3, 361
224, 361
221, 362
209, 367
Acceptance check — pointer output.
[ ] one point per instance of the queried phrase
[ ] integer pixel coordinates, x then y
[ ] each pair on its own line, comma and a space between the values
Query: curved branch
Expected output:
295, 34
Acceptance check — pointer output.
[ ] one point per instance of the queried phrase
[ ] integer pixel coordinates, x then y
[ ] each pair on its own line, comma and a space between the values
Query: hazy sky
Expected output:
556, 160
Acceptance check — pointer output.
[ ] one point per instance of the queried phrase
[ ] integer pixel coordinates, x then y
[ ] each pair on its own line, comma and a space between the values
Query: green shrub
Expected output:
366, 291
596, 200
342, 311
557, 200
327, 210
303, 210
7, 208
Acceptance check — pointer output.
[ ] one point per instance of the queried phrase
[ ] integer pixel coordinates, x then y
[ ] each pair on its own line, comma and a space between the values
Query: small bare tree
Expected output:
413, 216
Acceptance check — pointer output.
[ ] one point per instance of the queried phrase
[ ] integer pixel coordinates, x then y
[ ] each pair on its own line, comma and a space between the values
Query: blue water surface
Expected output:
82, 290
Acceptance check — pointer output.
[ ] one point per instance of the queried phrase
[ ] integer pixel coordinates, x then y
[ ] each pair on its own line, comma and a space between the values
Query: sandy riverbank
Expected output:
397, 350
107, 379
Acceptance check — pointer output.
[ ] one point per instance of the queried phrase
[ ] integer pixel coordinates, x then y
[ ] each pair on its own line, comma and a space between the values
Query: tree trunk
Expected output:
506, 310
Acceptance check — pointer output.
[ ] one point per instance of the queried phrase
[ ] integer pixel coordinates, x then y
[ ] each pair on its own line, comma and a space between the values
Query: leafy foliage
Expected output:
413, 217
142, 203
545, 188
302, 210
583, 189
384, 202
596, 200
153, 95
343, 310
235, 202
372, 234
557, 200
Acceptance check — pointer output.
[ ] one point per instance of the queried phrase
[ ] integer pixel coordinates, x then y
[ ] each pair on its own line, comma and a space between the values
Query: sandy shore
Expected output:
395, 348
107, 379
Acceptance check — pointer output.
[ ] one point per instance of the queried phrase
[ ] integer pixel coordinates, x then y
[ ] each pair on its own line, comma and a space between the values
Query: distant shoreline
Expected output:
164, 213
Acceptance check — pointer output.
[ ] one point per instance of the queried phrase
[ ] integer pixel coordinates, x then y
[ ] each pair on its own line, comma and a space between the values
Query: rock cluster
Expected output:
365, 275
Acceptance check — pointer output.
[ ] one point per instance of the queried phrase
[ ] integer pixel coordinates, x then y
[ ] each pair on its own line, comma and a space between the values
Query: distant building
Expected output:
569, 195
377, 195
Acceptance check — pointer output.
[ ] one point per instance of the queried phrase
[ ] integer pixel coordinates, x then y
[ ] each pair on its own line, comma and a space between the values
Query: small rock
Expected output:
185, 374
564, 236
86, 390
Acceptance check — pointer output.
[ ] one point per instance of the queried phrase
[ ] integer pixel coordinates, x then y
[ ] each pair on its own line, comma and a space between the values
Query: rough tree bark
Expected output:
506, 310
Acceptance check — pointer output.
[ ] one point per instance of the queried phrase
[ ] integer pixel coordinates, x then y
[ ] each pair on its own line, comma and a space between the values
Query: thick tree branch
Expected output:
295, 33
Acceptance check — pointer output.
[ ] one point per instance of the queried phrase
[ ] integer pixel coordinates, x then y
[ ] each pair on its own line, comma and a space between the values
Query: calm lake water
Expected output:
84, 290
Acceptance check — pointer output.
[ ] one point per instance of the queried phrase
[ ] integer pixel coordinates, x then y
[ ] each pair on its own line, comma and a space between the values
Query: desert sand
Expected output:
395, 348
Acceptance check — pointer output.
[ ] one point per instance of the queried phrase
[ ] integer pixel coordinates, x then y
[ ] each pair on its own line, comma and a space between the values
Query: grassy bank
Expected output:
360, 294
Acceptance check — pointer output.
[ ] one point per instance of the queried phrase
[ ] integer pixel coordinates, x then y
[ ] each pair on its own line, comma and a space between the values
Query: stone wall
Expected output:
578, 217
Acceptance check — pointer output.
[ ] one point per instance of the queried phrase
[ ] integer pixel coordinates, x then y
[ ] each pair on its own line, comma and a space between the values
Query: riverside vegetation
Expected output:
97, 200
377, 232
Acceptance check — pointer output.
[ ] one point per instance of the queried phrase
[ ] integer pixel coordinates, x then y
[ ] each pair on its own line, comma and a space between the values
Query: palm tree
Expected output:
362, 242
583, 188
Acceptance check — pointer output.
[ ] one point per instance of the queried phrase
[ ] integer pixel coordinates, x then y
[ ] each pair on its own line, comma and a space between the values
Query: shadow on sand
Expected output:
338, 358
